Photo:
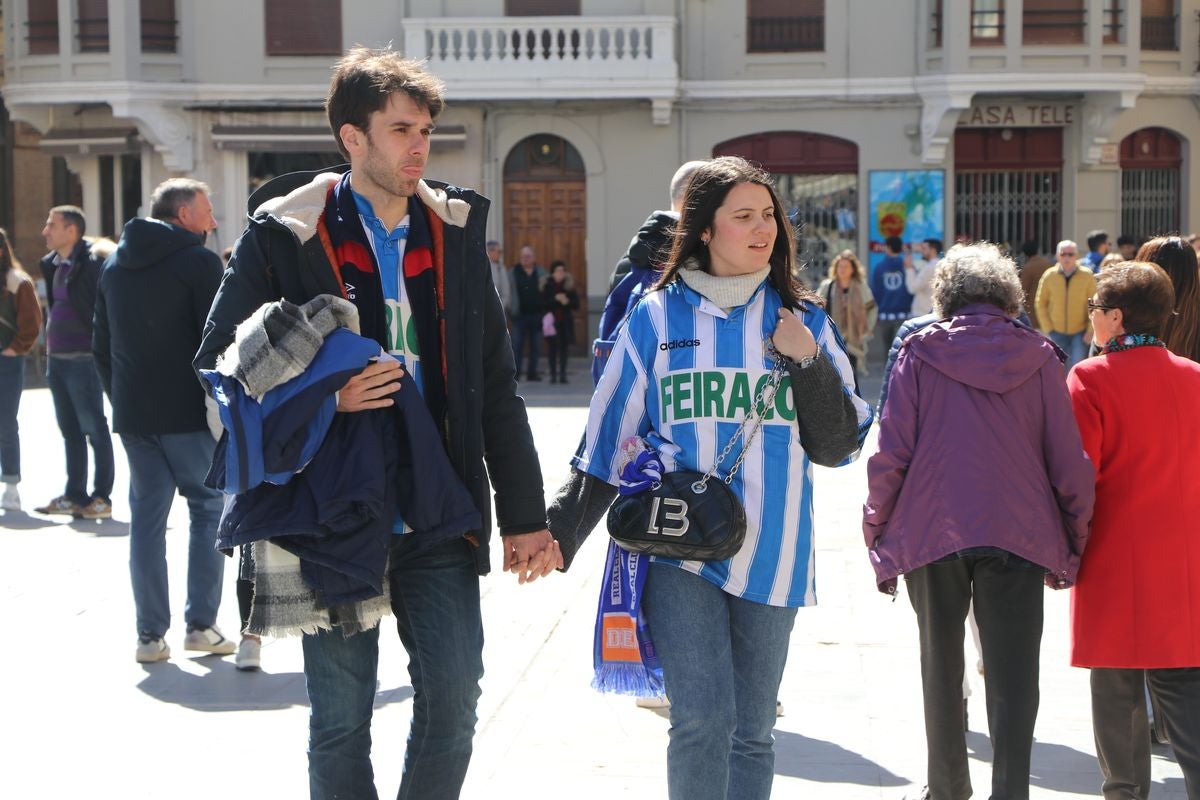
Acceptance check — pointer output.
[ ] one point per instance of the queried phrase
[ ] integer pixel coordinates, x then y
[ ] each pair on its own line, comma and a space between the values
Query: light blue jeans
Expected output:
1072, 344
158, 465
722, 660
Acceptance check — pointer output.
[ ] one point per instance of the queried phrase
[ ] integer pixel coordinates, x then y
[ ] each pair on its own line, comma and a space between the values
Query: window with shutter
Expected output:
303, 27
92, 25
785, 26
42, 27
987, 22
1054, 22
1159, 25
159, 26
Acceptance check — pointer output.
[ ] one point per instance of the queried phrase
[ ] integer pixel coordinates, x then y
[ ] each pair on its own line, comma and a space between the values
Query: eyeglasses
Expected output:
1071, 253
1094, 306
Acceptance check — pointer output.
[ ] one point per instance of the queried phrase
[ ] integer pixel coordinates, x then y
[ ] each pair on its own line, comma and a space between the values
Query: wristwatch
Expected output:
806, 362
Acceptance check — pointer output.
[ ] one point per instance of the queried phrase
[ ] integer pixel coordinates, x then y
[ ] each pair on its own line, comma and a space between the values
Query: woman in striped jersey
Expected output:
685, 372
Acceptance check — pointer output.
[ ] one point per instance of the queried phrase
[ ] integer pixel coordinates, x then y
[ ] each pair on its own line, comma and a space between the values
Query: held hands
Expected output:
371, 387
531, 555
792, 338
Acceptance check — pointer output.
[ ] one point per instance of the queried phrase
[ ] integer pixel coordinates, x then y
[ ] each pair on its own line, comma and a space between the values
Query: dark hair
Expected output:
173, 194
365, 79
8, 260
1142, 291
1029, 248
936, 244
706, 192
1125, 238
1095, 239
1181, 330
72, 215
556, 263
894, 244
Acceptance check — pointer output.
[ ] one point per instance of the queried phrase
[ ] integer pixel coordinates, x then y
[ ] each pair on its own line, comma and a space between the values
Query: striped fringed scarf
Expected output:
623, 652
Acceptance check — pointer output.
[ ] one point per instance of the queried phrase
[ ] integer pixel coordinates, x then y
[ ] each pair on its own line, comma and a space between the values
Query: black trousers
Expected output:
1008, 608
1122, 728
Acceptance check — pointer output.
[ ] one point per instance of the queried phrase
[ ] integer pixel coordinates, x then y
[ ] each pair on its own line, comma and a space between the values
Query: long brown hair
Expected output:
706, 191
1181, 331
8, 259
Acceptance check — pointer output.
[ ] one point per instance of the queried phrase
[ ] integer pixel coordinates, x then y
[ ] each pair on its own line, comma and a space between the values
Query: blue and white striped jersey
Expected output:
683, 375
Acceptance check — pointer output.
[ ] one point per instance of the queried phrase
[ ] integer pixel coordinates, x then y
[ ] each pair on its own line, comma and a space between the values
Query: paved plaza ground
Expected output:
82, 719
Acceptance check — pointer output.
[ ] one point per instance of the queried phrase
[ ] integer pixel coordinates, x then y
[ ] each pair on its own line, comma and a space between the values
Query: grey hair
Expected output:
976, 273
1065, 243
173, 194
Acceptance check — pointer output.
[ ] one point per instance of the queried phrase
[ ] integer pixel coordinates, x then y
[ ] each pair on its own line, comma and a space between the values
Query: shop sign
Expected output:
1018, 115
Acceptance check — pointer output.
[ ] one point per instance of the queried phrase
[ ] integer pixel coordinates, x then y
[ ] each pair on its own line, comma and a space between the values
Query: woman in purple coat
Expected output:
980, 491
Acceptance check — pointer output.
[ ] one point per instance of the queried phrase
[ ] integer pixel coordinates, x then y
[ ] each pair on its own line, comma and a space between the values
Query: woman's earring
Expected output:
704, 241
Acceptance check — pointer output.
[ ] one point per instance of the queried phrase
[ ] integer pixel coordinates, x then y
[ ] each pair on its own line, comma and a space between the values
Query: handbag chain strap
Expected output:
764, 400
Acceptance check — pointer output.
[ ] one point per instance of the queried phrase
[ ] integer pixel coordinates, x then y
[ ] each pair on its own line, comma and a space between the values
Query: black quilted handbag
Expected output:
684, 516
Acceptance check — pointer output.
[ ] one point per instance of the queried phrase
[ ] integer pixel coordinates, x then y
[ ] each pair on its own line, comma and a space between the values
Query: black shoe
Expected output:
533, 377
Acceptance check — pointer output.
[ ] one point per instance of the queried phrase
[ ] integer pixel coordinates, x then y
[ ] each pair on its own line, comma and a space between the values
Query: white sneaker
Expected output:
151, 649
209, 640
12, 498
249, 655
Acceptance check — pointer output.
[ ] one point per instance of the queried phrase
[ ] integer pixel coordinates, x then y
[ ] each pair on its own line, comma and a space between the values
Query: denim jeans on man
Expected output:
722, 660
158, 465
527, 328
1072, 344
12, 381
435, 597
79, 408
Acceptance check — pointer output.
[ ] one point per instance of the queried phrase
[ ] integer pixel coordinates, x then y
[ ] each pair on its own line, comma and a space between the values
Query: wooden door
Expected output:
550, 217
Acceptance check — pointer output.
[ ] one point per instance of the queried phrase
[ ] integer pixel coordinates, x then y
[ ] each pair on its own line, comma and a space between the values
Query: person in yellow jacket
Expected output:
1062, 298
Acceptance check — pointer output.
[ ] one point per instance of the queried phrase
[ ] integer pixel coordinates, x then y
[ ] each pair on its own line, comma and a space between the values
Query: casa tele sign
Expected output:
1017, 115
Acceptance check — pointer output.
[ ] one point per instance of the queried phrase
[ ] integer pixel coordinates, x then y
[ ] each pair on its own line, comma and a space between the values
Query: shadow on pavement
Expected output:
1055, 767
20, 521
225, 688
798, 756
103, 528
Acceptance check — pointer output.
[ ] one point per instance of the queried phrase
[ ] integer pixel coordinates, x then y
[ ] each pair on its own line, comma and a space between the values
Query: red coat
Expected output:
1136, 603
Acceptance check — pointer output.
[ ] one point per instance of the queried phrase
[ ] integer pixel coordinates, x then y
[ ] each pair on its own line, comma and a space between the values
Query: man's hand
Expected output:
8, 351
531, 555
371, 387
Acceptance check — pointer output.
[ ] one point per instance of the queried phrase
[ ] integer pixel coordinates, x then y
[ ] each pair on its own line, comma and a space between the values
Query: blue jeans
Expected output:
1072, 344
527, 328
158, 465
435, 597
79, 408
12, 381
722, 660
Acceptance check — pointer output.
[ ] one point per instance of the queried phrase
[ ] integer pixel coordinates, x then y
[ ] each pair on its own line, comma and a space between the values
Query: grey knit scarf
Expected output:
726, 291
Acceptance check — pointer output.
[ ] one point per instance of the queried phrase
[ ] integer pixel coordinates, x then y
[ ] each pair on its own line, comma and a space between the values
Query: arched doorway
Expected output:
1150, 162
545, 207
817, 180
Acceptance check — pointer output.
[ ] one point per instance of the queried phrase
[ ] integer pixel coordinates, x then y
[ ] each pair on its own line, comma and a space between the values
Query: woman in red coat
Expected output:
1135, 612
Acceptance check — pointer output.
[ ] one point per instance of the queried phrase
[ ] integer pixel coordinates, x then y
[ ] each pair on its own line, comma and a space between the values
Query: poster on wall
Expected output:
905, 203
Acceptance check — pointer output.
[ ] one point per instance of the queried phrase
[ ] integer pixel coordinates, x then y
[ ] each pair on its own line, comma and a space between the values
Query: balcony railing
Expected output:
1054, 25
987, 26
92, 34
785, 34
1158, 33
480, 50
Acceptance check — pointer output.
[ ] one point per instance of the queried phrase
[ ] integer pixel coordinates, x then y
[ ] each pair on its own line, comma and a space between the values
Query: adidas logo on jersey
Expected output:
678, 343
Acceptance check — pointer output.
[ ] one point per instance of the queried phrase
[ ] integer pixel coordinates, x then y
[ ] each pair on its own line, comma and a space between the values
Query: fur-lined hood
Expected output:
301, 209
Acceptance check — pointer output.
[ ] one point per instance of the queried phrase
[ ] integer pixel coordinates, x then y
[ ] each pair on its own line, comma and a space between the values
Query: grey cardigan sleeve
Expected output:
825, 414
576, 509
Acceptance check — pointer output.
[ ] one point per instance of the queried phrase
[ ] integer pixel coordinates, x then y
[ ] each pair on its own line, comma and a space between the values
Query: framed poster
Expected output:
905, 203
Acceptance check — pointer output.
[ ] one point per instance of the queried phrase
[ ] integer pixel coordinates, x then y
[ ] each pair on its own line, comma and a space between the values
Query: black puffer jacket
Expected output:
155, 292
281, 255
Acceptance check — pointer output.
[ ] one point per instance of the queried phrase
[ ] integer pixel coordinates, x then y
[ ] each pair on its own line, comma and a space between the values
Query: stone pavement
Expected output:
83, 719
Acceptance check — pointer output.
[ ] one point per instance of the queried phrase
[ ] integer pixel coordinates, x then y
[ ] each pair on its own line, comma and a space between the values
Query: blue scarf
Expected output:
623, 653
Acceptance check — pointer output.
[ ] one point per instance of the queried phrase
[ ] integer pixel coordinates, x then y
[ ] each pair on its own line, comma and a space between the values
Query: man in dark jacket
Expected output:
409, 254
72, 270
154, 296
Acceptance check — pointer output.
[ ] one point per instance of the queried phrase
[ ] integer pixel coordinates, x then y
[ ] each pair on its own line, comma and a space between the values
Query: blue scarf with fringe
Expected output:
623, 652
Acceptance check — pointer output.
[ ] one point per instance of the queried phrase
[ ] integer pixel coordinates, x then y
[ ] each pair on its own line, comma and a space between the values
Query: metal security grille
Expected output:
1149, 202
1009, 208
824, 211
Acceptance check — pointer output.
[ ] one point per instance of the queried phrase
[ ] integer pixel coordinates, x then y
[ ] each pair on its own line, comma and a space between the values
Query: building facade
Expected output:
1009, 120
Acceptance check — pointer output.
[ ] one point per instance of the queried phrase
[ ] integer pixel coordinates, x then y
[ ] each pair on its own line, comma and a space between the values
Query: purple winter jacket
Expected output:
978, 447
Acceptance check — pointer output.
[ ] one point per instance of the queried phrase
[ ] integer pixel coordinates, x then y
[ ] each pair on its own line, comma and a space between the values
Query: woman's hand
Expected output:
792, 337
8, 351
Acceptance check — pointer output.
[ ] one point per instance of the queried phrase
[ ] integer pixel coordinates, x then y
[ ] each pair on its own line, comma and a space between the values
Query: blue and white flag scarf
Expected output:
623, 653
